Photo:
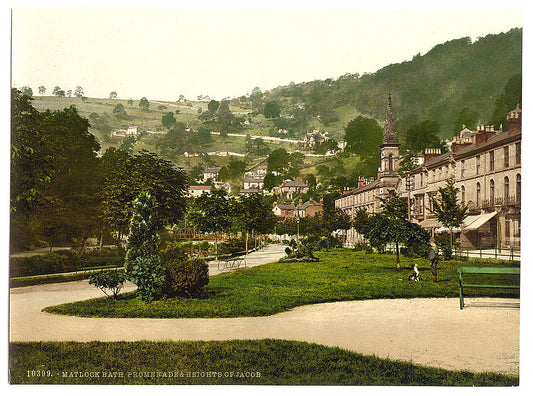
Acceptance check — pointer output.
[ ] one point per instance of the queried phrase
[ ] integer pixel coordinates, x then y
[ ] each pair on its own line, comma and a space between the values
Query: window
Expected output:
391, 167
506, 188
518, 152
462, 169
492, 191
518, 187
478, 165
478, 193
491, 160
463, 195
506, 157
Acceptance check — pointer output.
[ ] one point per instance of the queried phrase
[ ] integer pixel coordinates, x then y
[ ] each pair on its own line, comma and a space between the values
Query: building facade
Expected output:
485, 166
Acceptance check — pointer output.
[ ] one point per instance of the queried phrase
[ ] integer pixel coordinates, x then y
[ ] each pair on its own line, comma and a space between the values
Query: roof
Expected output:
294, 183
199, 187
286, 207
369, 186
305, 205
498, 139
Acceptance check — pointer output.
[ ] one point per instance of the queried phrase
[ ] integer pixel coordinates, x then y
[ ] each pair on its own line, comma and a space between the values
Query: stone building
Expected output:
486, 168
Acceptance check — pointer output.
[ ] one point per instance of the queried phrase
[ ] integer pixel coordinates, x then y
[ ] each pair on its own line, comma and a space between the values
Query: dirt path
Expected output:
432, 332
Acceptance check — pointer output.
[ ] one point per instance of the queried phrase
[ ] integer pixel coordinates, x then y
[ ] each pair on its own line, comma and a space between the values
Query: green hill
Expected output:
435, 86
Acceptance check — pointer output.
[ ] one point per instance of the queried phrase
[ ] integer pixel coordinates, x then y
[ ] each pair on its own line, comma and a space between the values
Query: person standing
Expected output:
433, 257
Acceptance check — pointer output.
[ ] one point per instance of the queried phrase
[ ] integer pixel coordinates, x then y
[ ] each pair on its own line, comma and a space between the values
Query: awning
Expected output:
481, 219
446, 229
430, 223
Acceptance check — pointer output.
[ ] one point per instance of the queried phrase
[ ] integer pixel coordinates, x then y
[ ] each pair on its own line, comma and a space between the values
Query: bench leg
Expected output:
461, 297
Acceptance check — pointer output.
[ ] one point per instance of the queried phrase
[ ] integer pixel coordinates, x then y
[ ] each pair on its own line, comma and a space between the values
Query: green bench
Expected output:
231, 263
484, 270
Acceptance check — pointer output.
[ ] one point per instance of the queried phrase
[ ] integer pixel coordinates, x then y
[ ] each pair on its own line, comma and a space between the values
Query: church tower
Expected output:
390, 154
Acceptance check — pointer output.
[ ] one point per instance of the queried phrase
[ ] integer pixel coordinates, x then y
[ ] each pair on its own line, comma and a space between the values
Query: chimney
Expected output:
292, 203
300, 202
379, 174
311, 201
484, 133
361, 183
274, 204
430, 153
321, 202
514, 121
456, 146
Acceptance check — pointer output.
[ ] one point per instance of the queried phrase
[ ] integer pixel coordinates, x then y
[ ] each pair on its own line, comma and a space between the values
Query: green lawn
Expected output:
238, 362
268, 289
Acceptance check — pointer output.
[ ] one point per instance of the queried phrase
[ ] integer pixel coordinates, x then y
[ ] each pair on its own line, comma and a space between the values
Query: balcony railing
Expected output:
492, 203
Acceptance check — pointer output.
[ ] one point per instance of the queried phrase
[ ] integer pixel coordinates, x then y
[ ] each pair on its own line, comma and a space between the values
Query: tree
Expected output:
78, 92
26, 91
467, 118
142, 261
168, 120
278, 161
56, 90
213, 105
424, 135
42, 90
130, 102
363, 137
449, 212
507, 101
211, 213
271, 110
119, 111
144, 104
391, 226
255, 214
256, 98
113, 95
126, 176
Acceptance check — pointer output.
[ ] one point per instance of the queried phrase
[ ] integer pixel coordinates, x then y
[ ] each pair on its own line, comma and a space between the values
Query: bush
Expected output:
415, 250
302, 253
149, 276
327, 242
60, 261
111, 280
233, 245
185, 277
363, 247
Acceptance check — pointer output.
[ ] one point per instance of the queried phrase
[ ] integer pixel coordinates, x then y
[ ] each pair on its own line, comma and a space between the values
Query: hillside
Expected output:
434, 86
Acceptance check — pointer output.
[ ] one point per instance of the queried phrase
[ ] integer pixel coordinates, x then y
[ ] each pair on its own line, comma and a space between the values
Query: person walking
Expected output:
433, 257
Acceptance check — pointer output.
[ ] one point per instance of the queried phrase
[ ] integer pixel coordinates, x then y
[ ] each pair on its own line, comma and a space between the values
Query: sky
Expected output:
161, 53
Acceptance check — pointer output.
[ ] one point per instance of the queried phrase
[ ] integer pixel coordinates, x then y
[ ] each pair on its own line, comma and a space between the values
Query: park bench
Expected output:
484, 270
231, 263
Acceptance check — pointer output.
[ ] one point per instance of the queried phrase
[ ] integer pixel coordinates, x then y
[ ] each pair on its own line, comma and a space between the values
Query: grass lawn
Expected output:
268, 289
252, 362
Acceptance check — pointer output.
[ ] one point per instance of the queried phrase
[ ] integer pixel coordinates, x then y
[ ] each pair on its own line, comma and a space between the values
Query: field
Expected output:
340, 275
257, 362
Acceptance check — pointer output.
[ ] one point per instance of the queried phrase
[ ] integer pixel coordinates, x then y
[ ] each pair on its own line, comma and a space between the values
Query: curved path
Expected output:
432, 332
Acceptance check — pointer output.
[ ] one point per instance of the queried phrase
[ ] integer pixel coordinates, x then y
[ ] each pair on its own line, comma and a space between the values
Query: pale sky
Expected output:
162, 53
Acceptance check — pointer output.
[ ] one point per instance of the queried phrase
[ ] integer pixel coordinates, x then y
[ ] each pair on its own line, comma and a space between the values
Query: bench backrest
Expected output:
489, 270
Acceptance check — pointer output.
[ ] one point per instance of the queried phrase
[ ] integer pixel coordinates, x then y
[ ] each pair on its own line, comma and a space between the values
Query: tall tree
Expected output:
507, 101
447, 209
142, 261
128, 175
113, 95
211, 213
42, 90
144, 104
363, 137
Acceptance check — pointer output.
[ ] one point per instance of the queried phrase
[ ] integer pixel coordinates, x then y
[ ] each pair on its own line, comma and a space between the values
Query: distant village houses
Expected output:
310, 208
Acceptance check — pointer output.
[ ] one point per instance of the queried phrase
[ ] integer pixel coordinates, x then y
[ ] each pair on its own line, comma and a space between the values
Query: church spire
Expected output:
389, 133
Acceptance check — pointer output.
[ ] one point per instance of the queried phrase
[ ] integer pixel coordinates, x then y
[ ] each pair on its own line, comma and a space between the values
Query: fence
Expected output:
495, 253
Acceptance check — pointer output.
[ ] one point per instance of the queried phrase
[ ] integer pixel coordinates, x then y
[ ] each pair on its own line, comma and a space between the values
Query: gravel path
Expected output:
432, 332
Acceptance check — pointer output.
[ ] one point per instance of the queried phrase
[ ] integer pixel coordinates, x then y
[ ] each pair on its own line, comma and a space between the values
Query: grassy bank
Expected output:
253, 362
268, 289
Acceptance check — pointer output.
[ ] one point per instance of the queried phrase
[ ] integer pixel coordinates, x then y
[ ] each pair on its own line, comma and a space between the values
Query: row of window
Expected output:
491, 159
492, 190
